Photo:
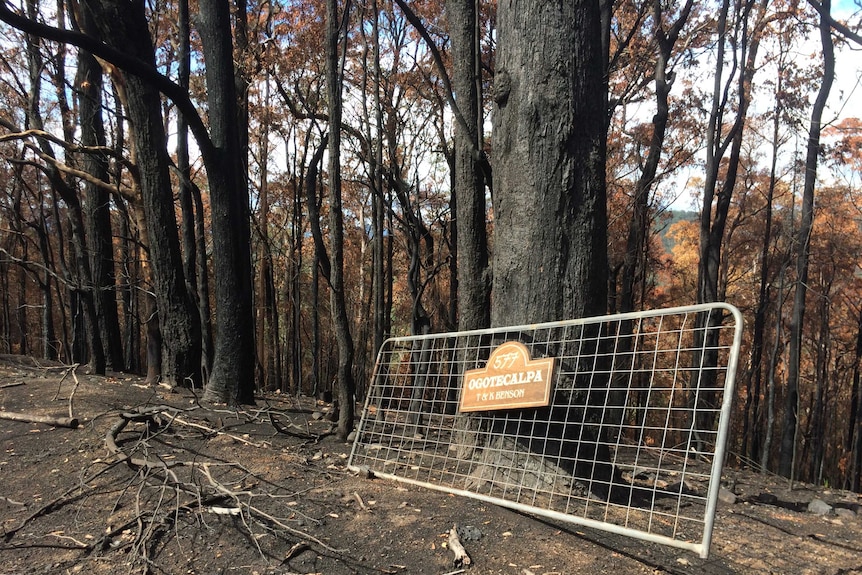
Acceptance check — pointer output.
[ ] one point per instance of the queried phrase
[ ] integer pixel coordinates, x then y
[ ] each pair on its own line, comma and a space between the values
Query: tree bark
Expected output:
468, 192
232, 378
550, 230
125, 29
550, 257
191, 207
341, 322
97, 206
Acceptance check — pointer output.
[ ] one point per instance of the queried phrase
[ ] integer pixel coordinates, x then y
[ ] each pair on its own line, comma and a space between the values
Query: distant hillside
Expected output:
665, 223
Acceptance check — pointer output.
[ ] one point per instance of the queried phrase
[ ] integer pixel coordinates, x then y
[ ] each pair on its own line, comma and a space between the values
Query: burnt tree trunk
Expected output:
550, 256
232, 378
346, 385
803, 244
191, 206
550, 259
468, 191
125, 29
97, 207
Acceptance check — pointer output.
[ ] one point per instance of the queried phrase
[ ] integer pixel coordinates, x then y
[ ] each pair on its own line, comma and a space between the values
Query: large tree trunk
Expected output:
550, 256
97, 208
550, 243
125, 29
803, 244
232, 378
468, 193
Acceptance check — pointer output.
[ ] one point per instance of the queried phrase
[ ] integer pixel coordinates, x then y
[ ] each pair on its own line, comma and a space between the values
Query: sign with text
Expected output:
510, 380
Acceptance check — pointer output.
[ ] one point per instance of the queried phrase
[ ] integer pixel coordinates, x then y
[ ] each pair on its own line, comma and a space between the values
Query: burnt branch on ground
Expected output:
163, 487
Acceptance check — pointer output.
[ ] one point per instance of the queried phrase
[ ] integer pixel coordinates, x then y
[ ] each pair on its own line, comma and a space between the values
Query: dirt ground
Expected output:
152, 482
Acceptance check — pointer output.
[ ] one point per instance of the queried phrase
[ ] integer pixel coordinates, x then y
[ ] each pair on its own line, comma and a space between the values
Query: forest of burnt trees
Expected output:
252, 195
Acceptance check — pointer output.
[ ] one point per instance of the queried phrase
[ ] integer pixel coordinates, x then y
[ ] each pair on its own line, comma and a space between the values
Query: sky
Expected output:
845, 97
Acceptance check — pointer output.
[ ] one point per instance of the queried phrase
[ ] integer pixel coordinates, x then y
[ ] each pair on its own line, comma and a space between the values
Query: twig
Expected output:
13, 384
296, 550
461, 557
66, 370
74, 389
78, 544
144, 415
259, 512
213, 431
361, 502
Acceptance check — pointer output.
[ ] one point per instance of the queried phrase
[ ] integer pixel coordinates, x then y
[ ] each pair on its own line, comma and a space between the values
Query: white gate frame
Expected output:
633, 441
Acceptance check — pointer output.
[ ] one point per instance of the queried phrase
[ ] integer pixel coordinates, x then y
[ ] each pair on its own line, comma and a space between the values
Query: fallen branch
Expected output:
145, 415
361, 502
461, 557
298, 434
12, 501
13, 384
68, 369
70, 422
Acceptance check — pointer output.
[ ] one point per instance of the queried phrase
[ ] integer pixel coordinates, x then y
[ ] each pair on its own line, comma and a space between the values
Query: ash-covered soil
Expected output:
152, 482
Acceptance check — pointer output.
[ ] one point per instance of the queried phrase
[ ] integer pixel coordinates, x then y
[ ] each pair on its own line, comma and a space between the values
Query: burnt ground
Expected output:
153, 482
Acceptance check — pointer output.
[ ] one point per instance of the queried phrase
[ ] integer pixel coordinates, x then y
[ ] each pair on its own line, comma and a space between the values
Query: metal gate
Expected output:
616, 422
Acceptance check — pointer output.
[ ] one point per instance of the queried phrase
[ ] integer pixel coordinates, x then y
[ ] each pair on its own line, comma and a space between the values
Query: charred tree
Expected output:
803, 246
125, 29
469, 179
97, 200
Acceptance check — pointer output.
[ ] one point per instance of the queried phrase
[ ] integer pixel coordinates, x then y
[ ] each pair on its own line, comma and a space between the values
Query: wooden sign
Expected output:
510, 380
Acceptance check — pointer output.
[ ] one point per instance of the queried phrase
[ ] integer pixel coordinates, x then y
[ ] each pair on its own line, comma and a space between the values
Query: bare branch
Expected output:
146, 72
438, 61
835, 24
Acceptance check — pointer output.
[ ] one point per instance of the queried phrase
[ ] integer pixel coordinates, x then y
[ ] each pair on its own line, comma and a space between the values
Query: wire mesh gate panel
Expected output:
629, 439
